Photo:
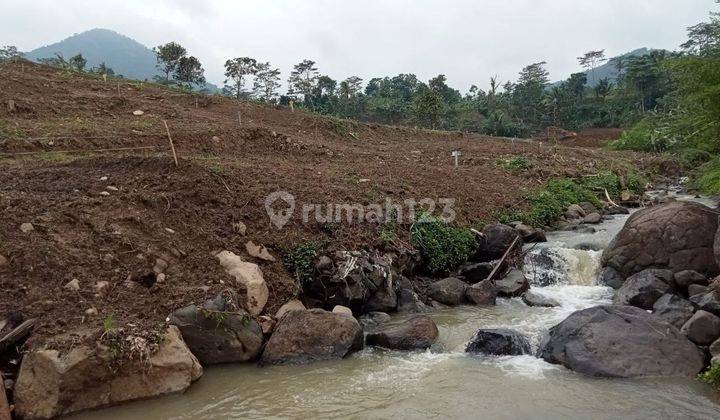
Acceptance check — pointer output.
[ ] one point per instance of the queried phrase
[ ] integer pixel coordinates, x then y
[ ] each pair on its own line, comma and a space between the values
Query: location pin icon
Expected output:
280, 217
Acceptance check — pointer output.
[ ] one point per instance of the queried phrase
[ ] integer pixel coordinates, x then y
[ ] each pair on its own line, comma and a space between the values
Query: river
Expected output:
444, 381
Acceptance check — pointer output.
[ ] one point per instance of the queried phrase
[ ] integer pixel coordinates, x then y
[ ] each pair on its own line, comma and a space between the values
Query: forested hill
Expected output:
609, 70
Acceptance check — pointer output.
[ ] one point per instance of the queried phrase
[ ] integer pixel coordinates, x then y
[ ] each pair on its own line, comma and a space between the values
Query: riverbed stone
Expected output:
685, 278
530, 234
673, 309
499, 342
514, 284
291, 305
678, 236
620, 341
532, 298
592, 218
373, 319
52, 384
707, 301
312, 335
611, 277
473, 273
417, 333
703, 328
219, 333
644, 288
383, 300
498, 238
449, 291
410, 302
574, 211
696, 289
482, 293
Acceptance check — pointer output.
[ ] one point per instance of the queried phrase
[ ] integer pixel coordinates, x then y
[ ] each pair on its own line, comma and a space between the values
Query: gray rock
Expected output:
409, 301
714, 348
383, 300
217, 334
611, 277
373, 319
696, 289
530, 234
574, 211
617, 210
673, 309
449, 291
535, 299
498, 238
703, 328
678, 235
418, 332
644, 288
592, 218
513, 285
473, 273
499, 342
620, 341
588, 207
707, 301
482, 293
685, 278
312, 335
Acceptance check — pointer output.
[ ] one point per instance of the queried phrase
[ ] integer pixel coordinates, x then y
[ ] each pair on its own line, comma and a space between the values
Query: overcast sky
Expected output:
467, 40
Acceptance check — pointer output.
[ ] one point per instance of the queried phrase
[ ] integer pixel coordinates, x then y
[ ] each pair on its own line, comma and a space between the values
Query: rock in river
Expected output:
500, 341
644, 288
498, 238
513, 284
703, 328
620, 341
50, 384
449, 291
418, 332
532, 298
678, 236
217, 334
312, 335
673, 309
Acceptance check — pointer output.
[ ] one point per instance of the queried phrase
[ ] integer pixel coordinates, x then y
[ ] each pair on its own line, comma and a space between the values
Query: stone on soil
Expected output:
250, 277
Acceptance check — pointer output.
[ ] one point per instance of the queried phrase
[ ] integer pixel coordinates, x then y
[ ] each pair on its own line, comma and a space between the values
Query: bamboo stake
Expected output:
239, 118
172, 146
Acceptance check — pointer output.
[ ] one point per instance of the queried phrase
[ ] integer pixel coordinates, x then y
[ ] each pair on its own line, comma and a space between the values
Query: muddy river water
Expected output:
444, 381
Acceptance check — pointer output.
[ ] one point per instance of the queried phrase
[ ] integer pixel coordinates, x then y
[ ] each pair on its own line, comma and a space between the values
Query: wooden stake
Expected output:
118, 88
172, 146
504, 257
239, 118
292, 106
196, 102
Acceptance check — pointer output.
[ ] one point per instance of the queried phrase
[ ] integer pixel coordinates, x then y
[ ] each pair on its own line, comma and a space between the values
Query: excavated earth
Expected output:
105, 199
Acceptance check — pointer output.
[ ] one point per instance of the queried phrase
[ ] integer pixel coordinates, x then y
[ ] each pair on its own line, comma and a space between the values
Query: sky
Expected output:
467, 40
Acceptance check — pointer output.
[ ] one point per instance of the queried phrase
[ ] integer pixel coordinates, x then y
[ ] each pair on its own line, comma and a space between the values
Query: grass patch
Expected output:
299, 258
708, 179
442, 246
711, 376
515, 163
605, 180
8, 131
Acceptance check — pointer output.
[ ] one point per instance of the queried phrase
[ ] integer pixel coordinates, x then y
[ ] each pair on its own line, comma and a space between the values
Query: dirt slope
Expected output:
227, 168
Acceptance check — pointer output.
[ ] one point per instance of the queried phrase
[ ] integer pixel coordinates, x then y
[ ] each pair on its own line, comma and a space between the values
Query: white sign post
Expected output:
455, 154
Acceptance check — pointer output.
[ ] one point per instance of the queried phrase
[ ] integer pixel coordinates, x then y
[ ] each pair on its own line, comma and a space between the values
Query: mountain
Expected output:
608, 70
124, 55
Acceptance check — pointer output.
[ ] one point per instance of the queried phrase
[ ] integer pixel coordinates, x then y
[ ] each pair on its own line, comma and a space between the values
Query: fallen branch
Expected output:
17, 334
610, 199
504, 257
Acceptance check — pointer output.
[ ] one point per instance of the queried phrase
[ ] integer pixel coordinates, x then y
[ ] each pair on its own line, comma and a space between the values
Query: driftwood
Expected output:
504, 257
17, 334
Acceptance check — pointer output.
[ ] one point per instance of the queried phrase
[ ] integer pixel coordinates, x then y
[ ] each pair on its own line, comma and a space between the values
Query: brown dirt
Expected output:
82, 234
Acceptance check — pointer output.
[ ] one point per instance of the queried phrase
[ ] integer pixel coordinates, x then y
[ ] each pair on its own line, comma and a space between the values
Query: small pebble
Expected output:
27, 227
168, 230
73, 284
91, 312
160, 278
103, 178
138, 113
112, 188
3, 260
105, 193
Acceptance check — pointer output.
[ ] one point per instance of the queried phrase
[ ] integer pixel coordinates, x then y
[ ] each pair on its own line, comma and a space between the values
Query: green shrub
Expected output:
691, 158
708, 180
640, 137
299, 258
711, 376
515, 163
442, 246
605, 180
635, 181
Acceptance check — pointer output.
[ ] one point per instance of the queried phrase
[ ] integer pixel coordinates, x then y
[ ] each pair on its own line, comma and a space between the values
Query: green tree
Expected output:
428, 108
590, 61
237, 71
77, 63
168, 59
267, 82
303, 79
189, 72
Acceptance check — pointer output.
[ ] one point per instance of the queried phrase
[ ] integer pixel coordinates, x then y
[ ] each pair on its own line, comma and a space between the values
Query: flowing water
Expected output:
444, 381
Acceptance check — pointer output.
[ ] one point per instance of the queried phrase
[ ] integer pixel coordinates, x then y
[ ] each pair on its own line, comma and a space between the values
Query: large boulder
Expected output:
312, 335
644, 288
418, 332
409, 301
620, 341
683, 279
703, 328
52, 384
500, 342
673, 309
482, 293
473, 273
219, 333
677, 236
707, 301
248, 276
498, 238
514, 284
449, 291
